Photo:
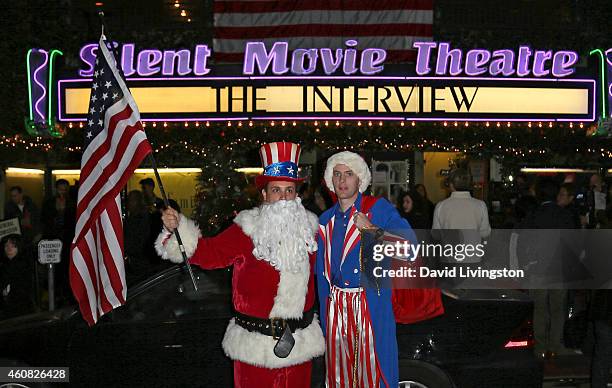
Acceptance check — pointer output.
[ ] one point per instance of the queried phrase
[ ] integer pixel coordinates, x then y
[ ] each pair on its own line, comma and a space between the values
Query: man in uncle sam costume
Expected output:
275, 333
359, 324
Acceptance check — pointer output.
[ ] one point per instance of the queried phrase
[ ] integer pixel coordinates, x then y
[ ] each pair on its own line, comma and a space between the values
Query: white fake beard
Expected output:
284, 236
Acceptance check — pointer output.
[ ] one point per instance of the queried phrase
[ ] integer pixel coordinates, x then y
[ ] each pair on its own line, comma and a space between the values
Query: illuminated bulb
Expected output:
183, 13
337, 123
540, 125
207, 124
165, 124
229, 123
186, 124
380, 123
272, 123
154, 124
70, 125
466, 124
283, 123
413, 123
445, 123
176, 4
359, 123
529, 125
571, 125
240, 123
81, 125
370, 123
316, 123
581, 125
294, 123
197, 123
188, 20
487, 124
498, 124
508, 124
402, 123
250, 123
144, 124
326, 123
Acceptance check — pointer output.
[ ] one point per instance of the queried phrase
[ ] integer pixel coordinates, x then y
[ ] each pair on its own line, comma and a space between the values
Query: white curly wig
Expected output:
354, 162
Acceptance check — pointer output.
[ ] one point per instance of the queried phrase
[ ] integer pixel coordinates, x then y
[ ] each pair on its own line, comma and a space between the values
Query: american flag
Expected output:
115, 144
392, 25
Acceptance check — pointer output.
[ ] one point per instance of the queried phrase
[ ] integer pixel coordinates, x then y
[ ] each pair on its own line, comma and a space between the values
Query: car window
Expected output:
175, 298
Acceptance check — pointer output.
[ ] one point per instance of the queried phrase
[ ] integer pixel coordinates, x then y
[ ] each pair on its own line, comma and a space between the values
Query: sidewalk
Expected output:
567, 371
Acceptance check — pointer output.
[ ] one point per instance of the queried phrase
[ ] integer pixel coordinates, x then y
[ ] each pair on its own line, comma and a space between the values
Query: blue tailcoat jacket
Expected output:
346, 274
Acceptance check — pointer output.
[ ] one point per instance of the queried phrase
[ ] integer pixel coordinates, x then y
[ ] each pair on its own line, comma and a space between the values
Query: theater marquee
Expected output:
451, 84
409, 98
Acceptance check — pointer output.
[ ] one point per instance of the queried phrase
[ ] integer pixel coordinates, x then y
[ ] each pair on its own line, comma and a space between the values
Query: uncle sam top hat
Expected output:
280, 163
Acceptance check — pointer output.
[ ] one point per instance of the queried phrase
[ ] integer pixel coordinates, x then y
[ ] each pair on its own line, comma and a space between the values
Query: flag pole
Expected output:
167, 205
154, 165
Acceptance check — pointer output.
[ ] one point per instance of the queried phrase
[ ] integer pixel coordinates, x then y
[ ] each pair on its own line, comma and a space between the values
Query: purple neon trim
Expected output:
199, 119
187, 78
46, 54
607, 52
164, 79
475, 119
343, 78
350, 118
289, 77
346, 118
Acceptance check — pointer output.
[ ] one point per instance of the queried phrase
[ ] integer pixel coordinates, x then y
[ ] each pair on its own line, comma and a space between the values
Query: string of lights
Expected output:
529, 141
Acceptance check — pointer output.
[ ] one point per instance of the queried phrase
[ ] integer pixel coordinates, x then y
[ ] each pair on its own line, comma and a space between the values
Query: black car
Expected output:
167, 334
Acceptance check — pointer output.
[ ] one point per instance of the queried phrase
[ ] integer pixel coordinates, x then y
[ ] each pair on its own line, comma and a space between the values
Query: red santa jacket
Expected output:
259, 289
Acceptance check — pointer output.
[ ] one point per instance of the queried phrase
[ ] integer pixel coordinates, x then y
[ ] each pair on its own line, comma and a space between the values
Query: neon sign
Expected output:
499, 62
278, 60
370, 62
152, 62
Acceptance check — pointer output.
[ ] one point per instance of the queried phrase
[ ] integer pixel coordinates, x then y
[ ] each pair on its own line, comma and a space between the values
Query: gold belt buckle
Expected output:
272, 324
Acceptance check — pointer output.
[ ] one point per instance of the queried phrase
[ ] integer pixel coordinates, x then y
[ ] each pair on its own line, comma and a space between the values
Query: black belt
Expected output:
273, 327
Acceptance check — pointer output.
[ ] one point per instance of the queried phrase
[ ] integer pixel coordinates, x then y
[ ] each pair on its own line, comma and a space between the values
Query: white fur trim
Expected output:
291, 294
292, 286
167, 246
354, 162
247, 220
257, 349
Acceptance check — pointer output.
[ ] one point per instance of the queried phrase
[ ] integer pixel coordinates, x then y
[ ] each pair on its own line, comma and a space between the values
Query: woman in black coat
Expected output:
413, 207
15, 279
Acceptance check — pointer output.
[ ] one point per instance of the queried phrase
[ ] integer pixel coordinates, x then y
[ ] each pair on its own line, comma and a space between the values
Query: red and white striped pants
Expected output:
349, 329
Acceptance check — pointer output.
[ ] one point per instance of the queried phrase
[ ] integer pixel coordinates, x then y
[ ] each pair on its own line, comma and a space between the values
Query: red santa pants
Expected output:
249, 376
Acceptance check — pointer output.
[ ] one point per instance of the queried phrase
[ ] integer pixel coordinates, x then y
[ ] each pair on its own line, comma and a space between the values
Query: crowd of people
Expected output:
24, 281
559, 202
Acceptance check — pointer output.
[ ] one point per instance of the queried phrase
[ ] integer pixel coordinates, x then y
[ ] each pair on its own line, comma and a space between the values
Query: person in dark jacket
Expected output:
15, 279
422, 191
137, 233
414, 208
549, 304
59, 220
601, 314
21, 206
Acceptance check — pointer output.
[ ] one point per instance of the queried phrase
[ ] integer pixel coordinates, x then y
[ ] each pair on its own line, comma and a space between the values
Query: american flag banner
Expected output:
392, 25
115, 144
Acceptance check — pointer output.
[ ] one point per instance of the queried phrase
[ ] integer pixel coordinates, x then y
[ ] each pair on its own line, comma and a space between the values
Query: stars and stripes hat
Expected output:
280, 163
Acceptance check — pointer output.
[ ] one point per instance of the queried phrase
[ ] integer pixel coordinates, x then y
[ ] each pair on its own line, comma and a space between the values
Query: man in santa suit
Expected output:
272, 250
